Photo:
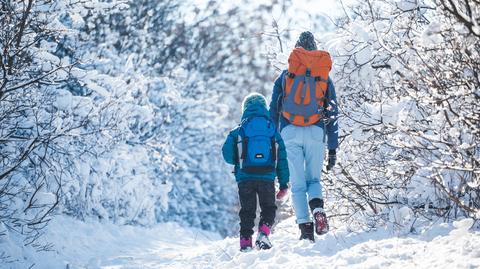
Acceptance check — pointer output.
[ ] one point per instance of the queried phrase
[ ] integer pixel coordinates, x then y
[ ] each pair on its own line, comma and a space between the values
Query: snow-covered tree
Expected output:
44, 127
407, 74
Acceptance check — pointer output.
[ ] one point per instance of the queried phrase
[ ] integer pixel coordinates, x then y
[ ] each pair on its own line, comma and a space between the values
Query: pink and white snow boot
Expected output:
262, 241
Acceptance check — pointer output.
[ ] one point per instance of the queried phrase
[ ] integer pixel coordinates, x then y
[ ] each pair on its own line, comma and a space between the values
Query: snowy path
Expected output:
439, 248
93, 245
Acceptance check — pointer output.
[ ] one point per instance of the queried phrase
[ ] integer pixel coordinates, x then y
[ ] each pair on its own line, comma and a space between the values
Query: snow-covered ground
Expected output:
94, 245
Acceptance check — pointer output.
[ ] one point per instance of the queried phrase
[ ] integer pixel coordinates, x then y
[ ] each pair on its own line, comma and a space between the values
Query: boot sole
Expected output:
262, 245
318, 230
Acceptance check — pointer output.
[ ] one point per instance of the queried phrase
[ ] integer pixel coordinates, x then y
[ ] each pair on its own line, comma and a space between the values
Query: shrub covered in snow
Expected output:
409, 91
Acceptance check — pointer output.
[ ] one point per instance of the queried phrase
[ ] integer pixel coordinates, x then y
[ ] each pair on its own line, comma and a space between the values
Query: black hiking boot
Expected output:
306, 230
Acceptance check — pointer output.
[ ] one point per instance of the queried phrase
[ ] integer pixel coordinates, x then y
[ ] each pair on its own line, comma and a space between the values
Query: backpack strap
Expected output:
311, 81
243, 143
244, 148
241, 148
273, 149
296, 83
321, 79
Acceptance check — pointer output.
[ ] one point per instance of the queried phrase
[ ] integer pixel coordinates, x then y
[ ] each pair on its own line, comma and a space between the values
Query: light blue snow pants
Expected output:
305, 154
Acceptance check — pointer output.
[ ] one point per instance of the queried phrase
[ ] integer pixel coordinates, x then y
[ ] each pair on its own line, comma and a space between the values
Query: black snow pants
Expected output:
247, 192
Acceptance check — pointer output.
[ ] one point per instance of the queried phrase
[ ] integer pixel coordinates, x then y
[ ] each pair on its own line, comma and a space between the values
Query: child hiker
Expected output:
258, 153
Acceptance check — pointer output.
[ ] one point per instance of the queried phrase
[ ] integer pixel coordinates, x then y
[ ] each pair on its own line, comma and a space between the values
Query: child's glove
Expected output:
282, 193
332, 159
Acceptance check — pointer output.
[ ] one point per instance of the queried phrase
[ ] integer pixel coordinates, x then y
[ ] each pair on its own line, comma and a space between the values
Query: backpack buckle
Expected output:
308, 72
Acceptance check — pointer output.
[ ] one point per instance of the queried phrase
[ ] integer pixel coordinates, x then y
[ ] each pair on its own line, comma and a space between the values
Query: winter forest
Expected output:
113, 114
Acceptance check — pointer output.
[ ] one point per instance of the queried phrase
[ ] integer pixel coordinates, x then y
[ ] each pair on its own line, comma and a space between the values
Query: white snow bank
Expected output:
440, 246
91, 244
94, 245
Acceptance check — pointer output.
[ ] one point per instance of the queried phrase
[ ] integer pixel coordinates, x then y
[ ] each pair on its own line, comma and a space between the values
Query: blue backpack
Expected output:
256, 145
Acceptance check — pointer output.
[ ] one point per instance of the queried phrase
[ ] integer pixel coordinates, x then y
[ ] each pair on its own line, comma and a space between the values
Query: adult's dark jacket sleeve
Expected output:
283, 173
276, 102
331, 125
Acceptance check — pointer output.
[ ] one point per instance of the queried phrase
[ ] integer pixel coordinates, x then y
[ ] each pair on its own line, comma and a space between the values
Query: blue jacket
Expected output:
331, 125
230, 152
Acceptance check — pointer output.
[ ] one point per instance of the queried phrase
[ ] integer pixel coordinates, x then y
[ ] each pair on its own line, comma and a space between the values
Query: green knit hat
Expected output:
253, 99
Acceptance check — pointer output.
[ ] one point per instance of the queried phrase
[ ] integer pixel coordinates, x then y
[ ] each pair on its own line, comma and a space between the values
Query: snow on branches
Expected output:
409, 84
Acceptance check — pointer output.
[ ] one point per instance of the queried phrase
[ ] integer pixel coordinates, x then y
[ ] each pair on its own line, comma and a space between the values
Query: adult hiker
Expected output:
304, 107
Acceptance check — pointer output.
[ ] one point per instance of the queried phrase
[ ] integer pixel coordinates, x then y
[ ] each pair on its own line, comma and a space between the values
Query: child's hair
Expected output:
253, 98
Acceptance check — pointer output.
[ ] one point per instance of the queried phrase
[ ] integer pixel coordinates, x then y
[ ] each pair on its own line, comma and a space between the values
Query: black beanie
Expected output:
306, 41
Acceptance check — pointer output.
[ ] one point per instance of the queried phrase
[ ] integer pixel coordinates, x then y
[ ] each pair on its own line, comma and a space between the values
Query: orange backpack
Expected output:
305, 86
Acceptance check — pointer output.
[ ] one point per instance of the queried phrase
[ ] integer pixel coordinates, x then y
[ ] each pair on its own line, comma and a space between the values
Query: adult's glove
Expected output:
332, 159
